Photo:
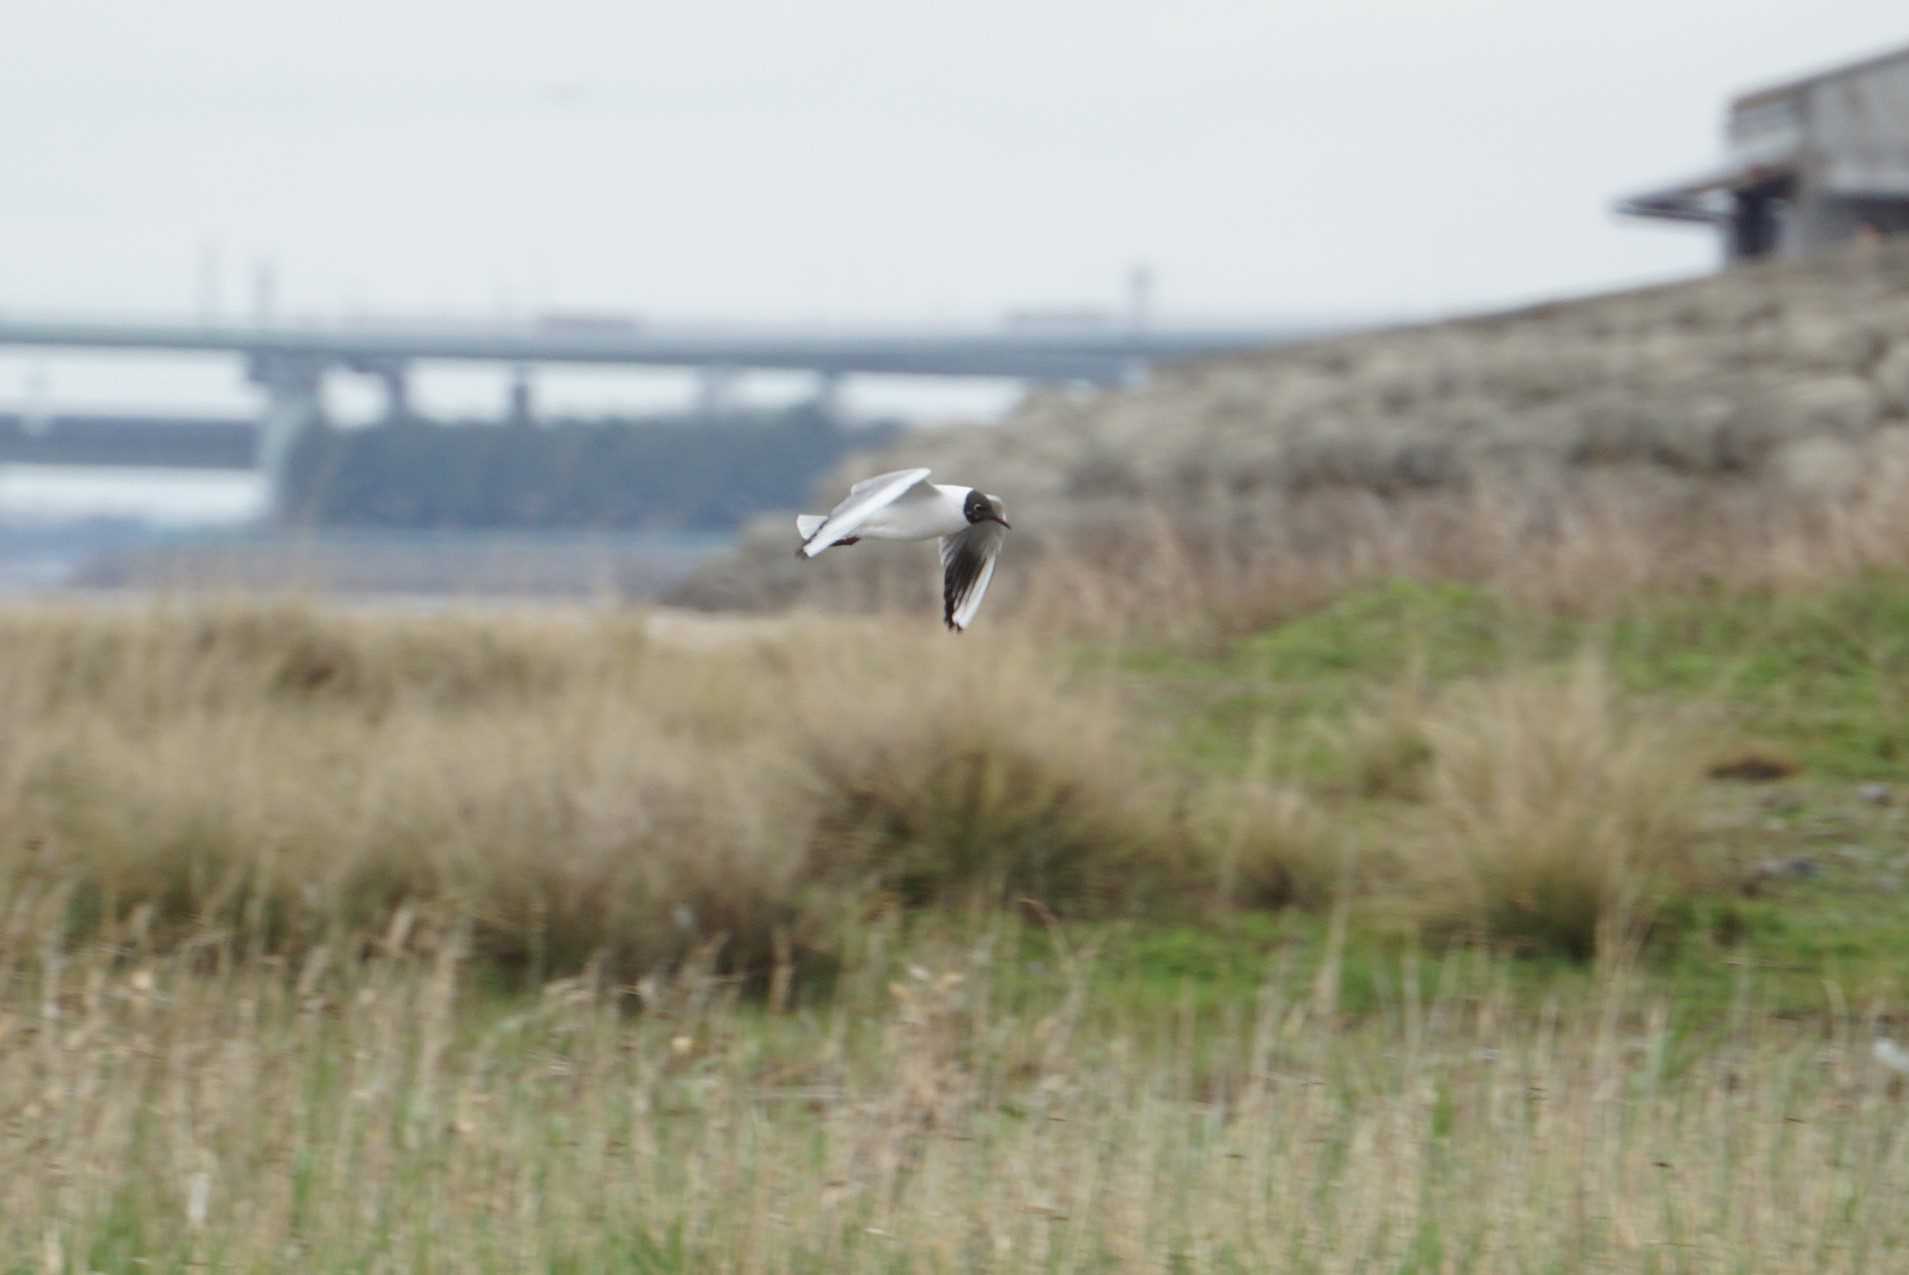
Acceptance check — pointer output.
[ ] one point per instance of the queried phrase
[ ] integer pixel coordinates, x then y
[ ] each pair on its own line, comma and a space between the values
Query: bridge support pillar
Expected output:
521, 409
395, 376
294, 403
716, 390
827, 400
397, 392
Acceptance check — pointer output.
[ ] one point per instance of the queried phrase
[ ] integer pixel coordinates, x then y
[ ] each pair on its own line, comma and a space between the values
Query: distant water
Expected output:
131, 530
162, 497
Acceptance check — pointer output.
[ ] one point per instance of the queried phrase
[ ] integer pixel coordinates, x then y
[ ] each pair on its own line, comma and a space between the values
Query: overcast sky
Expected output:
866, 159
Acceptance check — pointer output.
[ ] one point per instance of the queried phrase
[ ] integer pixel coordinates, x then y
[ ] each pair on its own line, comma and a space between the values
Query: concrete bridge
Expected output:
290, 362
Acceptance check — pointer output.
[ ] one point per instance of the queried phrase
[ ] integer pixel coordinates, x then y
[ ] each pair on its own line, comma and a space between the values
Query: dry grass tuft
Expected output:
1384, 741
972, 773
1557, 816
1276, 847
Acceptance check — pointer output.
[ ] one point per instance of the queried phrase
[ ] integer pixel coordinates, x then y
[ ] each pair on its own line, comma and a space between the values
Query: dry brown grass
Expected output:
1590, 545
940, 772
1557, 817
1275, 844
265, 782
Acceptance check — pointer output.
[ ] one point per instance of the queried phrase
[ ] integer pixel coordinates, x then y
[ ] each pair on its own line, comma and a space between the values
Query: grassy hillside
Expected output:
1755, 422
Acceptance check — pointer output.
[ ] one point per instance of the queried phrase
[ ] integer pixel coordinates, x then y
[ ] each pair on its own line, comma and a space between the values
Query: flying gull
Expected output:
904, 505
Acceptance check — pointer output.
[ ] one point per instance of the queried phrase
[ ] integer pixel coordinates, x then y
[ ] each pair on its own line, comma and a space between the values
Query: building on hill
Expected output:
1810, 162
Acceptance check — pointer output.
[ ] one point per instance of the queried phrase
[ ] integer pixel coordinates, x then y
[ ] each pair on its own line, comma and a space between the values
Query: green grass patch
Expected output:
1824, 674
1335, 700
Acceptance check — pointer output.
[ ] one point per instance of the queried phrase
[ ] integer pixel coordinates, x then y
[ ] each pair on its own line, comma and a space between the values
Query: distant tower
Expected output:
1140, 296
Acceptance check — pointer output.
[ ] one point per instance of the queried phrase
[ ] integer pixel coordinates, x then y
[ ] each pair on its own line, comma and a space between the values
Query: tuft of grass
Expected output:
1276, 847
1381, 749
982, 783
1558, 818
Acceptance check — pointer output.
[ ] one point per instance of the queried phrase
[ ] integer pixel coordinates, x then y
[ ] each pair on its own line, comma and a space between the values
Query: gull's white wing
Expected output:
864, 499
967, 565
878, 479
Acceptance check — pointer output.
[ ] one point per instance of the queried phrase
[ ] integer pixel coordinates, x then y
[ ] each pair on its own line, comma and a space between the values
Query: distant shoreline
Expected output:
430, 566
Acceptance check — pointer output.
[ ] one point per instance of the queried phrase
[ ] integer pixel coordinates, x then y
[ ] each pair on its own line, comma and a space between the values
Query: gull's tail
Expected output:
806, 526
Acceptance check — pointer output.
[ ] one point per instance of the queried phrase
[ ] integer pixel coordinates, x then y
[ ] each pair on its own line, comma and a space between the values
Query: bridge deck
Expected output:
1091, 353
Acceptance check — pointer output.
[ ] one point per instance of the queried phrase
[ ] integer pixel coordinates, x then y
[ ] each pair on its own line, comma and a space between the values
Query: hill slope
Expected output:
1664, 430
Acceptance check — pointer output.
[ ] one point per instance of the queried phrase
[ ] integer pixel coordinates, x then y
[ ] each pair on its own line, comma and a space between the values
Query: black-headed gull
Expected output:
904, 505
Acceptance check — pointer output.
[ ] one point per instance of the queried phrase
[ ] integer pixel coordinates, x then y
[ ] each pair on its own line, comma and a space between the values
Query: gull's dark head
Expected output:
980, 507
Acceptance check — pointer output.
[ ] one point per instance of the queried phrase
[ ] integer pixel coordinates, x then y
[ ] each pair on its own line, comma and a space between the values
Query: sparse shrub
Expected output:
1273, 848
981, 782
1558, 818
1384, 746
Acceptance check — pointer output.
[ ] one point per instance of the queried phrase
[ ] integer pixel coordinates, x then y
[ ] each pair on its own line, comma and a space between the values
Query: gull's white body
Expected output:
904, 506
897, 506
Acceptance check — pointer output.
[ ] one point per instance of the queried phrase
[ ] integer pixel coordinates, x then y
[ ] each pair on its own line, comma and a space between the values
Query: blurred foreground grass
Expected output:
1425, 930
944, 1110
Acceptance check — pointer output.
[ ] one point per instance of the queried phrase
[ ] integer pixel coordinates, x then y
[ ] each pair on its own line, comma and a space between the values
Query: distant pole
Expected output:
1140, 296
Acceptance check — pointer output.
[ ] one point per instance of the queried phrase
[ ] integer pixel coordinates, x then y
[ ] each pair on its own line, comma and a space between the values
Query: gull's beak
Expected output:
1004, 522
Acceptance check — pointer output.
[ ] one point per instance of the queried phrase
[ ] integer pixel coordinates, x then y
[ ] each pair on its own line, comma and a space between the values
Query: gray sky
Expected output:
856, 159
